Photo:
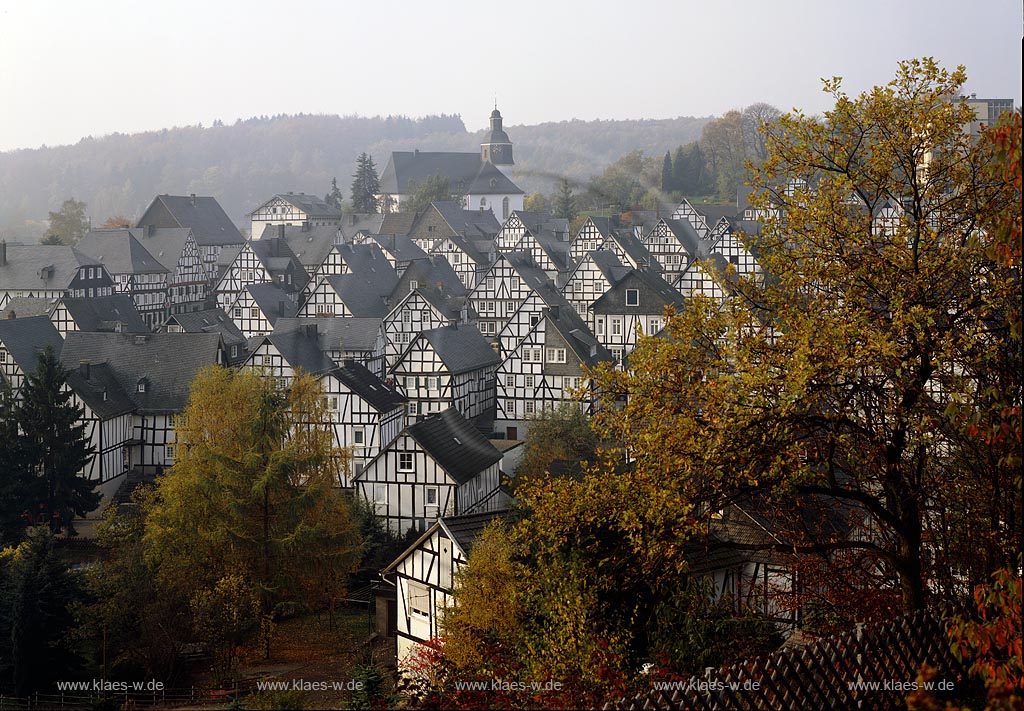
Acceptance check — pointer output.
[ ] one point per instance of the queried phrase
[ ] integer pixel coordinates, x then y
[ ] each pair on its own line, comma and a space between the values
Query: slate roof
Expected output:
344, 334
713, 213
101, 313
100, 390
400, 247
166, 244
364, 297
273, 301
577, 335
613, 301
369, 387
203, 215
368, 261
23, 268
25, 339
455, 444
466, 529
168, 362
465, 172
434, 272
635, 249
687, 236
608, 263
468, 223
301, 349
25, 306
122, 251
210, 321
276, 255
461, 348
310, 246
398, 223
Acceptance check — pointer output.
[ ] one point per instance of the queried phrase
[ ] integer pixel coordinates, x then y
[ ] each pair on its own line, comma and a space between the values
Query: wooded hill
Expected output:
245, 163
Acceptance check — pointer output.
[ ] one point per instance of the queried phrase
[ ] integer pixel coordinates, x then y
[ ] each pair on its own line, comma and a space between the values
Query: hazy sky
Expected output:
75, 68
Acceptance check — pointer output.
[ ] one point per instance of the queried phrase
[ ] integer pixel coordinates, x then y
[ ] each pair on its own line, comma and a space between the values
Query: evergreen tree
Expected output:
667, 176
565, 201
55, 443
37, 593
334, 198
365, 185
16, 479
688, 169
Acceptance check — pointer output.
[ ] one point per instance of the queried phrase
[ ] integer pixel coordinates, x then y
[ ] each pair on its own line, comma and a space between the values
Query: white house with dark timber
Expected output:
263, 261
211, 321
116, 313
177, 250
365, 413
259, 306
365, 259
449, 367
421, 309
156, 371
293, 210
503, 289
595, 233
423, 577
134, 270
42, 271
213, 230
545, 369
636, 304
107, 412
595, 274
439, 466
675, 243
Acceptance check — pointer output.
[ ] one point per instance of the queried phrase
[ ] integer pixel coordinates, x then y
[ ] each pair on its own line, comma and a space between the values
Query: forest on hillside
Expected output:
244, 163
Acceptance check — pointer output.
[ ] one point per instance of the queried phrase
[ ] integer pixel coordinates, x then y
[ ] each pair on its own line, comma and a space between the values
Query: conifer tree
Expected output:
334, 197
54, 439
365, 185
565, 201
16, 479
667, 176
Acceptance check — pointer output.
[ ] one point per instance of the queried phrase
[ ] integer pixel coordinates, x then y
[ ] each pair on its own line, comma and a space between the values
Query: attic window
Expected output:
632, 297
140, 387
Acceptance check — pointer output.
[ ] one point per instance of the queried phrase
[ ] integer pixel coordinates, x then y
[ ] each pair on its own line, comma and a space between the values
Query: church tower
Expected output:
496, 148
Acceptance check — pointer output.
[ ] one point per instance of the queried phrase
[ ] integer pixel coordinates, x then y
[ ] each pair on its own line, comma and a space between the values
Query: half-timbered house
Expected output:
674, 243
439, 466
135, 271
156, 371
342, 339
176, 249
107, 413
503, 289
350, 295
594, 234
594, 275
269, 260
365, 413
424, 576
367, 260
293, 210
49, 272
21, 342
419, 310
629, 247
703, 277
450, 367
546, 368
637, 301
399, 250
444, 219
116, 313
211, 227
259, 306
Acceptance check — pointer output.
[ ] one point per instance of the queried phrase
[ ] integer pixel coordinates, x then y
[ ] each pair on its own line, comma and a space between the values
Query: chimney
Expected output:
553, 311
83, 368
309, 330
349, 364
192, 199
150, 230
280, 231
3, 253
280, 307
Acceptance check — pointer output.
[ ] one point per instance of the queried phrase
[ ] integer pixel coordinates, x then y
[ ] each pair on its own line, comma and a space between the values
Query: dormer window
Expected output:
140, 387
632, 297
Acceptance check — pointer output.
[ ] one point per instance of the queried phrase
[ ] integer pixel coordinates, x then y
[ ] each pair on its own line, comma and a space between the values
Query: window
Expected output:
250, 276
528, 381
510, 380
267, 361
432, 383
656, 325
616, 326
140, 387
3, 356
169, 452
430, 496
254, 312
282, 383
332, 402
489, 282
174, 328
599, 324
406, 316
358, 437
413, 285
532, 355
504, 208
632, 297
418, 599
617, 354
405, 461
403, 338
488, 328
234, 351
410, 383
530, 407
734, 259
556, 355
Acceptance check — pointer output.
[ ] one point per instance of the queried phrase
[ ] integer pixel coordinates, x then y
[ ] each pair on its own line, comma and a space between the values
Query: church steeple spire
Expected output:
497, 148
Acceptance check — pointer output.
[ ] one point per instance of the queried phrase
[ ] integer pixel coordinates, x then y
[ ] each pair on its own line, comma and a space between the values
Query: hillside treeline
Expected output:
244, 163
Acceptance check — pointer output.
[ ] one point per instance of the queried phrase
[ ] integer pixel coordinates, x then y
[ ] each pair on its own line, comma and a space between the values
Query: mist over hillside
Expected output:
245, 163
